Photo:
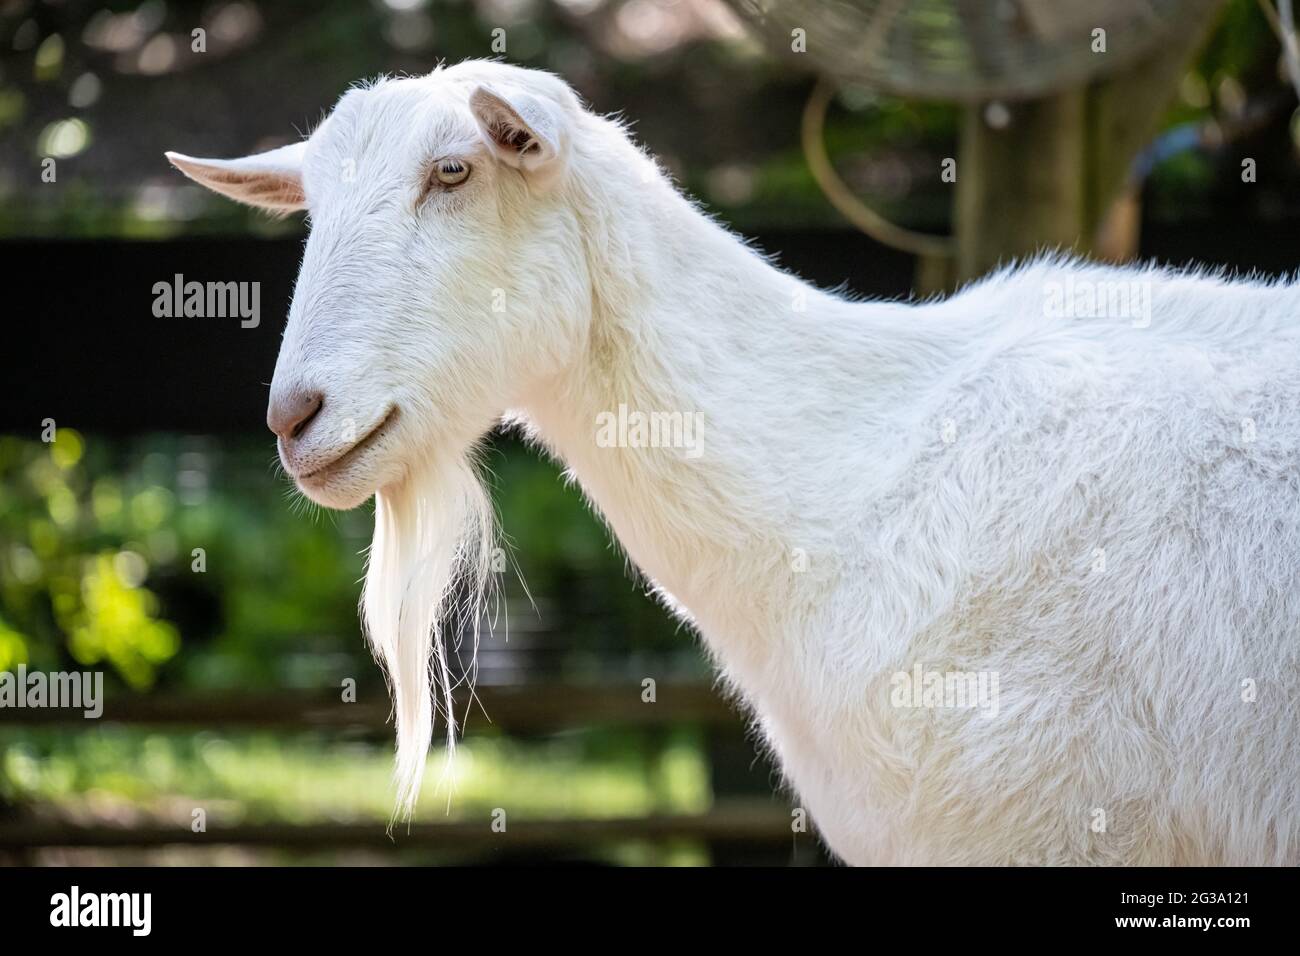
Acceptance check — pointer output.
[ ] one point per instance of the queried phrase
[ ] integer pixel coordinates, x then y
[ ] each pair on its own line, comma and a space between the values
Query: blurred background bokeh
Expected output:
154, 539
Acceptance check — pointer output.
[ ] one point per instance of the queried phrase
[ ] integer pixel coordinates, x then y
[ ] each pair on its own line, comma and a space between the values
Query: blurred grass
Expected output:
128, 776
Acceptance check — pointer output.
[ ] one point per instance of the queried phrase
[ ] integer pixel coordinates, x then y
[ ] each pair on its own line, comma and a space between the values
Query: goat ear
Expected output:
522, 130
271, 180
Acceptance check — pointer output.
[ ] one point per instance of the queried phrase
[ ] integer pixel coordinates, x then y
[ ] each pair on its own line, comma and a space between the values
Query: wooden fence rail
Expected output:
513, 708
732, 822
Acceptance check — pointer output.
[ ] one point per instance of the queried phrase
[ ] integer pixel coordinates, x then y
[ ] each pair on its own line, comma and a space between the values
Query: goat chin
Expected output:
427, 576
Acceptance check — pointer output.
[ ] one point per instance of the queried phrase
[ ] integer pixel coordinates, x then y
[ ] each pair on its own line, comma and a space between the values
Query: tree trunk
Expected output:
1052, 175
1020, 188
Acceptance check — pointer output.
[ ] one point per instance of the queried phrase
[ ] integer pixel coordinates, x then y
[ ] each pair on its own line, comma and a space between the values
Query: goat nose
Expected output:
289, 415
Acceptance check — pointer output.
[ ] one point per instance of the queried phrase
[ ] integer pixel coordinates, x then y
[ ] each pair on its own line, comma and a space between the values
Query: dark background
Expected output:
137, 373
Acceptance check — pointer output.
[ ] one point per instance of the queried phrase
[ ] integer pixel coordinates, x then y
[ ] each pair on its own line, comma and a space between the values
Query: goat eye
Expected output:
451, 172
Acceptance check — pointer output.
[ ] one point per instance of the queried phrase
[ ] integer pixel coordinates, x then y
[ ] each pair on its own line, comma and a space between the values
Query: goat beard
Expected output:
427, 577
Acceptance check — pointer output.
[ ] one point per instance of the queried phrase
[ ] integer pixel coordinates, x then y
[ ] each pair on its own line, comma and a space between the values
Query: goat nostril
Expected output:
290, 416
313, 404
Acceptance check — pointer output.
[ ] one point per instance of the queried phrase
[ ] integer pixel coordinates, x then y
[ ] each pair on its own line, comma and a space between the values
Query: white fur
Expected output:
1075, 505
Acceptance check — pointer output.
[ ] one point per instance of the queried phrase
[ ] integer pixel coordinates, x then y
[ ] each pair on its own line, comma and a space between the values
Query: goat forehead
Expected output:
380, 116
377, 130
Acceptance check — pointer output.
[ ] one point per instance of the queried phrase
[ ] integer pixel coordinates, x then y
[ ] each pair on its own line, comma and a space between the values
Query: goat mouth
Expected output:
360, 445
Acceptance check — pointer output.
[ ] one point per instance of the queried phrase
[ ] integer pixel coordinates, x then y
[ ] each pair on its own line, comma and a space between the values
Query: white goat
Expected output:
1088, 520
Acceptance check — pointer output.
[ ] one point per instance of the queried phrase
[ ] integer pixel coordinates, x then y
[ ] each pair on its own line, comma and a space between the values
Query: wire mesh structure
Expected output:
970, 50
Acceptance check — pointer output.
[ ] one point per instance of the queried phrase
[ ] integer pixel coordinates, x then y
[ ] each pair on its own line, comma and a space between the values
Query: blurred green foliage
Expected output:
68, 567
92, 533
189, 561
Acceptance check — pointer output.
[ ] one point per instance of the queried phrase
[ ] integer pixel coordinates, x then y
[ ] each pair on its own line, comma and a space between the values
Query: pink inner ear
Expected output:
251, 181
509, 135
263, 187
280, 190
